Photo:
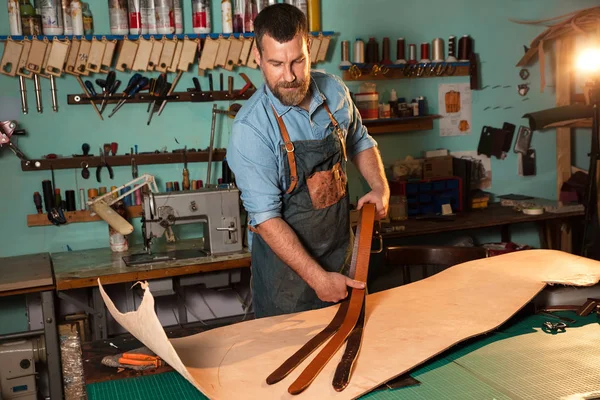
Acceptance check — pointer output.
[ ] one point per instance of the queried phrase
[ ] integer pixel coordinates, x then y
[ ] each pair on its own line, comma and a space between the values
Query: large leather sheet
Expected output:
405, 327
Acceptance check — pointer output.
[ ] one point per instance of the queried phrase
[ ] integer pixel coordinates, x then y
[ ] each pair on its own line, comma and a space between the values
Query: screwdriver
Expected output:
108, 85
90, 86
152, 86
136, 83
156, 90
186, 173
173, 85
83, 87
166, 87
37, 199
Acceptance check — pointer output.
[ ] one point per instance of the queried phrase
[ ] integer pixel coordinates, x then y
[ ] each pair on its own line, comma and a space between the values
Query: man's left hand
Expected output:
381, 199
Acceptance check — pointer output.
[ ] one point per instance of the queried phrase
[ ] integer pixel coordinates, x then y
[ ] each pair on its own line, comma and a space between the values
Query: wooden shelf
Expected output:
78, 216
124, 160
398, 125
397, 72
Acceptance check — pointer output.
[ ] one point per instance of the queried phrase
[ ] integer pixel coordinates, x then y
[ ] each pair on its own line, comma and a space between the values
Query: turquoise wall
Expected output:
498, 41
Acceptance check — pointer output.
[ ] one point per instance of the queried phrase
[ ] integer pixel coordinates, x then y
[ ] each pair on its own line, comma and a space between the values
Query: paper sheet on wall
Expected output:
454, 105
481, 177
472, 298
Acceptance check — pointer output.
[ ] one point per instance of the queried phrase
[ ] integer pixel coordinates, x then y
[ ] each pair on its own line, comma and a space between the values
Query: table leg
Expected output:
542, 229
52, 346
100, 330
182, 311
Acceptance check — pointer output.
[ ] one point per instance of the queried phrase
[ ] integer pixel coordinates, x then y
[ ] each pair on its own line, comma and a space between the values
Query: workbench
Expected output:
33, 274
518, 361
494, 216
82, 268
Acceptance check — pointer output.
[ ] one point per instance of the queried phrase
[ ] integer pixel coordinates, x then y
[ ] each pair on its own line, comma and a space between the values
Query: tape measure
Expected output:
533, 211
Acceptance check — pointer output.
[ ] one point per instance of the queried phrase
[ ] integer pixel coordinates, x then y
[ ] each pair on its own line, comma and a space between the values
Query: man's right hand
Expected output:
333, 287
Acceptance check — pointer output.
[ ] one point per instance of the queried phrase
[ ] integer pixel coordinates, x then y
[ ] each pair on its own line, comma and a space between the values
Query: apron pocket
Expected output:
326, 188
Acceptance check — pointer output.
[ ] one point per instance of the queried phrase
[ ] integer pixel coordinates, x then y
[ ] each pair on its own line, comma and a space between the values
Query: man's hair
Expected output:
280, 21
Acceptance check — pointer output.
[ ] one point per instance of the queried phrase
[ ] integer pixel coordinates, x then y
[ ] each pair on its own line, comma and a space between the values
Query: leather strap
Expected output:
360, 261
338, 131
289, 148
341, 378
296, 359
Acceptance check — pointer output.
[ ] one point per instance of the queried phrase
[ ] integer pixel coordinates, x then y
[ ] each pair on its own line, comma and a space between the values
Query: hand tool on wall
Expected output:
53, 93
37, 200
103, 163
160, 89
23, 91
173, 85
114, 146
83, 87
8, 129
38, 93
185, 184
55, 212
136, 83
107, 86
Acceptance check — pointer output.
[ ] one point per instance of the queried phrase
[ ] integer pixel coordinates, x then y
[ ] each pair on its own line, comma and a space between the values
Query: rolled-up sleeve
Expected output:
358, 138
255, 165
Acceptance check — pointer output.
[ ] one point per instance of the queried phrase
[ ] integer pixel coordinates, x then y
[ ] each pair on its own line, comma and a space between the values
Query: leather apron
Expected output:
316, 207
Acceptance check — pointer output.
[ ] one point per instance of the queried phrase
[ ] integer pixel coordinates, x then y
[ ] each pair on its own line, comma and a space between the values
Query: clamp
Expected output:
103, 163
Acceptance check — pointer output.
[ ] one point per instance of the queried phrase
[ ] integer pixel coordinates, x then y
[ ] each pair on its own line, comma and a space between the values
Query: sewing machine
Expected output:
218, 209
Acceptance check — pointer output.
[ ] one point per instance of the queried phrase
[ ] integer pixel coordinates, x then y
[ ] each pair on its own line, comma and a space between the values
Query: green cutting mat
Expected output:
517, 363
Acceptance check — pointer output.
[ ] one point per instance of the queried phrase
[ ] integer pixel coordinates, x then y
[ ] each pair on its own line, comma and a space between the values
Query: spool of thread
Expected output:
314, 15
126, 199
102, 190
194, 184
200, 184
425, 53
70, 195
48, 195
57, 198
201, 16
238, 16
465, 48
385, 59
438, 50
451, 49
178, 16
164, 10
226, 16
115, 195
358, 57
77, 17
412, 53
169, 186
81, 199
92, 193
135, 17
176, 186
345, 54
372, 51
400, 51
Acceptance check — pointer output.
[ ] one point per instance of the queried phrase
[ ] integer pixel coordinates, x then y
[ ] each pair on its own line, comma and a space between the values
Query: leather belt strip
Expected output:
289, 148
350, 311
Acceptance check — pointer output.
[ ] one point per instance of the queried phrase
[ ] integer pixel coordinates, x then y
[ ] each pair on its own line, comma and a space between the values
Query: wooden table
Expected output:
82, 268
33, 274
493, 216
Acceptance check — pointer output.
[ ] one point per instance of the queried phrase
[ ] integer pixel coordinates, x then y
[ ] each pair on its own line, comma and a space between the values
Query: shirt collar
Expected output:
316, 99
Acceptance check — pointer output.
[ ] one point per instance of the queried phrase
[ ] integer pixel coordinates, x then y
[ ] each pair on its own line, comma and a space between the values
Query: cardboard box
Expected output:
438, 167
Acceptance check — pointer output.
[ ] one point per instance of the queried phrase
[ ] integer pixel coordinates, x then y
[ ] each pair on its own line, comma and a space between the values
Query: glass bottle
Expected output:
88, 19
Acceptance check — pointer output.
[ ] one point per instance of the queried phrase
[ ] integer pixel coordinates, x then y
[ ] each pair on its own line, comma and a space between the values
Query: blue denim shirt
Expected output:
254, 153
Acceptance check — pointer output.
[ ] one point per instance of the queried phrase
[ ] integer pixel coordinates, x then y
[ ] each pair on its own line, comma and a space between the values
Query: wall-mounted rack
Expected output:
367, 72
123, 160
400, 125
190, 96
147, 37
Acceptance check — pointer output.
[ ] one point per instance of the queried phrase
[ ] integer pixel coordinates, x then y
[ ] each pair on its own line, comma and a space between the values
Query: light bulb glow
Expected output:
589, 60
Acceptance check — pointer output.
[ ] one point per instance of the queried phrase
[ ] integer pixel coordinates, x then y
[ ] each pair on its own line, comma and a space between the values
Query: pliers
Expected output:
103, 163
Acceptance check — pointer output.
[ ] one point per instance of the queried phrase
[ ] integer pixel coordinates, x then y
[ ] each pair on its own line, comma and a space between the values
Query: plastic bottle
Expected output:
178, 13
238, 16
118, 16
52, 23
88, 19
165, 23
314, 15
422, 106
14, 18
148, 14
66, 14
135, 17
77, 17
415, 107
30, 23
201, 16
226, 16
250, 13
393, 103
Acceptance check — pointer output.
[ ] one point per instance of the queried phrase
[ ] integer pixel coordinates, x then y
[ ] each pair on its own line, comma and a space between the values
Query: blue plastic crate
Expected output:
424, 198
412, 188
425, 187
439, 185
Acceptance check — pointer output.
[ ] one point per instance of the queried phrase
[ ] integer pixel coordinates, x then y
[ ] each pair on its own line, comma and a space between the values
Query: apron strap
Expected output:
289, 148
338, 130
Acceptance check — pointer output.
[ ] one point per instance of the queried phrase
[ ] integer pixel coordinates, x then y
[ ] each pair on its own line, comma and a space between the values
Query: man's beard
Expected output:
293, 97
